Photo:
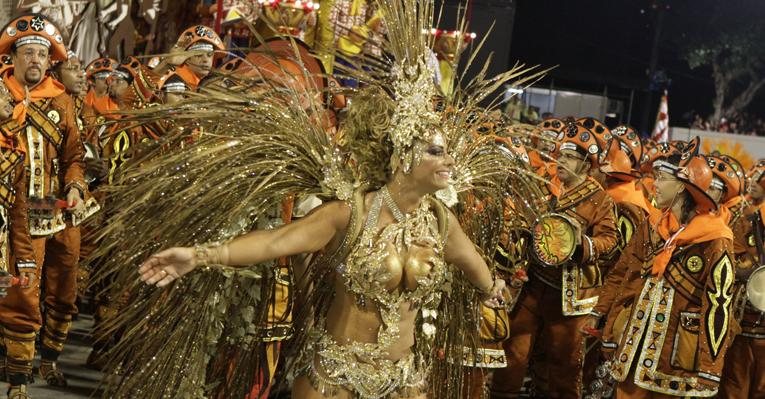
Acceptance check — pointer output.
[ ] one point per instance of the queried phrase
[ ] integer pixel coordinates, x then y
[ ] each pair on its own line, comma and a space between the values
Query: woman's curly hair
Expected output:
365, 135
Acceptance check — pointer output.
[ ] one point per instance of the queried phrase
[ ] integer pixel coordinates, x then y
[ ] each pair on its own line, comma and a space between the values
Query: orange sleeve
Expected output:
630, 259
601, 237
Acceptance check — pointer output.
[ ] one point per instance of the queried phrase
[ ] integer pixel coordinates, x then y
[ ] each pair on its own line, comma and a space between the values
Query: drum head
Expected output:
553, 239
755, 288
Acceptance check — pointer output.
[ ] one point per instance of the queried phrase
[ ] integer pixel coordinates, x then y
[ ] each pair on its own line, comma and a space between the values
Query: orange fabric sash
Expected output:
629, 193
47, 88
762, 212
702, 228
188, 76
537, 163
724, 213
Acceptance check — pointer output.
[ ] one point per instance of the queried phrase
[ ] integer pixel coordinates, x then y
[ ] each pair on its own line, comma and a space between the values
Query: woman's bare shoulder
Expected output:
336, 211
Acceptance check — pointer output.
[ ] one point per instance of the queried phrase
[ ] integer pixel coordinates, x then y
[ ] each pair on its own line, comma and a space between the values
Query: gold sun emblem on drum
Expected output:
554, 241
694, 264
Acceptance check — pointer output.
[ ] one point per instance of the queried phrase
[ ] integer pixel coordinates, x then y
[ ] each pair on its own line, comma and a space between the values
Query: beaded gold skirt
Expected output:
361, 369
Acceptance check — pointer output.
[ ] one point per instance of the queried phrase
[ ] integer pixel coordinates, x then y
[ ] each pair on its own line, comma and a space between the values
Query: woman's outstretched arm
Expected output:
309, 234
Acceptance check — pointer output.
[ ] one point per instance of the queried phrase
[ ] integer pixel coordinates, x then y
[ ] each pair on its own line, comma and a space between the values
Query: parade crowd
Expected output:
623, 268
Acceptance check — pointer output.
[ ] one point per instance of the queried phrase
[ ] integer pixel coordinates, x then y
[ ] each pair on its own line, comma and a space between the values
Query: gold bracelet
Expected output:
206, 255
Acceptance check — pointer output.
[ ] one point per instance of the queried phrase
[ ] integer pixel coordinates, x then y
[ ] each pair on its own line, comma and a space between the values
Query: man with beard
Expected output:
45, 114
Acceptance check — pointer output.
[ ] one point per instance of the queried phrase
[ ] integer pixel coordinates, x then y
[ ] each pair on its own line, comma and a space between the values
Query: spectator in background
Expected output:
530, 115
723, 127
697, 122
736, 123
514, 109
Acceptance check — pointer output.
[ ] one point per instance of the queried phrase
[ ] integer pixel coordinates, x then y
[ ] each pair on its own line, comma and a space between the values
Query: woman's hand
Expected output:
497, 296
166, 266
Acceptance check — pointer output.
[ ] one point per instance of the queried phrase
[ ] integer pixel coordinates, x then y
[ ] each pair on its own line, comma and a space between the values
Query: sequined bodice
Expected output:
402, 264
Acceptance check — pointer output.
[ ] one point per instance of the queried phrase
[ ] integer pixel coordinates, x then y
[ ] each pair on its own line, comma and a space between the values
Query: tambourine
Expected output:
755, 288
553, 239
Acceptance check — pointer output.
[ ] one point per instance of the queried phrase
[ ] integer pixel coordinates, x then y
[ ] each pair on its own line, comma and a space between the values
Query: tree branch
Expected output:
745, 97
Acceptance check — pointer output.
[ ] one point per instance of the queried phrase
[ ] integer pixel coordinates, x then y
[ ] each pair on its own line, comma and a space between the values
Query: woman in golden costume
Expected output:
395, 263
387, 260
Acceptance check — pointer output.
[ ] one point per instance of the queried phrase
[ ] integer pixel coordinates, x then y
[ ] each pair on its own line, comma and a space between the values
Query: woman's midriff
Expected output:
349, 322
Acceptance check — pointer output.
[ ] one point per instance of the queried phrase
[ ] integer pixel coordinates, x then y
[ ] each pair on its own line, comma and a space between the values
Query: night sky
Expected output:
608, 42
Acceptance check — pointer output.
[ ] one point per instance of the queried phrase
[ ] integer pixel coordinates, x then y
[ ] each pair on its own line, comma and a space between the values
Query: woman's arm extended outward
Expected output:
309, 234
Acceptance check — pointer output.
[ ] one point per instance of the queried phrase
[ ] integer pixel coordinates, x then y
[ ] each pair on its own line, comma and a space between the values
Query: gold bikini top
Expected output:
402, 263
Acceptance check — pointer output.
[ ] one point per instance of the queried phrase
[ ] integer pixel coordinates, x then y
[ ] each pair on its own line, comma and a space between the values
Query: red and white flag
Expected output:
661, 129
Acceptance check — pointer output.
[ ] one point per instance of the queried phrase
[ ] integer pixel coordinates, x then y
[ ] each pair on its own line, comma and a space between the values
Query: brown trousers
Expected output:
57, 258
744, 371
538, 315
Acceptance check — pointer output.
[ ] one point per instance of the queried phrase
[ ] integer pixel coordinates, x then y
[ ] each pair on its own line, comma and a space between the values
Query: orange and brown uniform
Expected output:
744, 377
675, 323
197, 38
121, 140
555, 299
632, 212
16, 253
54, 165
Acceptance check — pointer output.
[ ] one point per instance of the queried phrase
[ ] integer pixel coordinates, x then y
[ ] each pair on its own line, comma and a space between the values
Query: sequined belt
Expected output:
362, 370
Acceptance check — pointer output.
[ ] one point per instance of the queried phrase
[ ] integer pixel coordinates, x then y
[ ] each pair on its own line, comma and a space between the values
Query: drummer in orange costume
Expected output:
46, 113
677, 327
555, 300
745, 377
193, 55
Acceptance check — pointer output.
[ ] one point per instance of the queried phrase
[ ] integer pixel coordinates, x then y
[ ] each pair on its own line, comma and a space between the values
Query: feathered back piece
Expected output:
234, 152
